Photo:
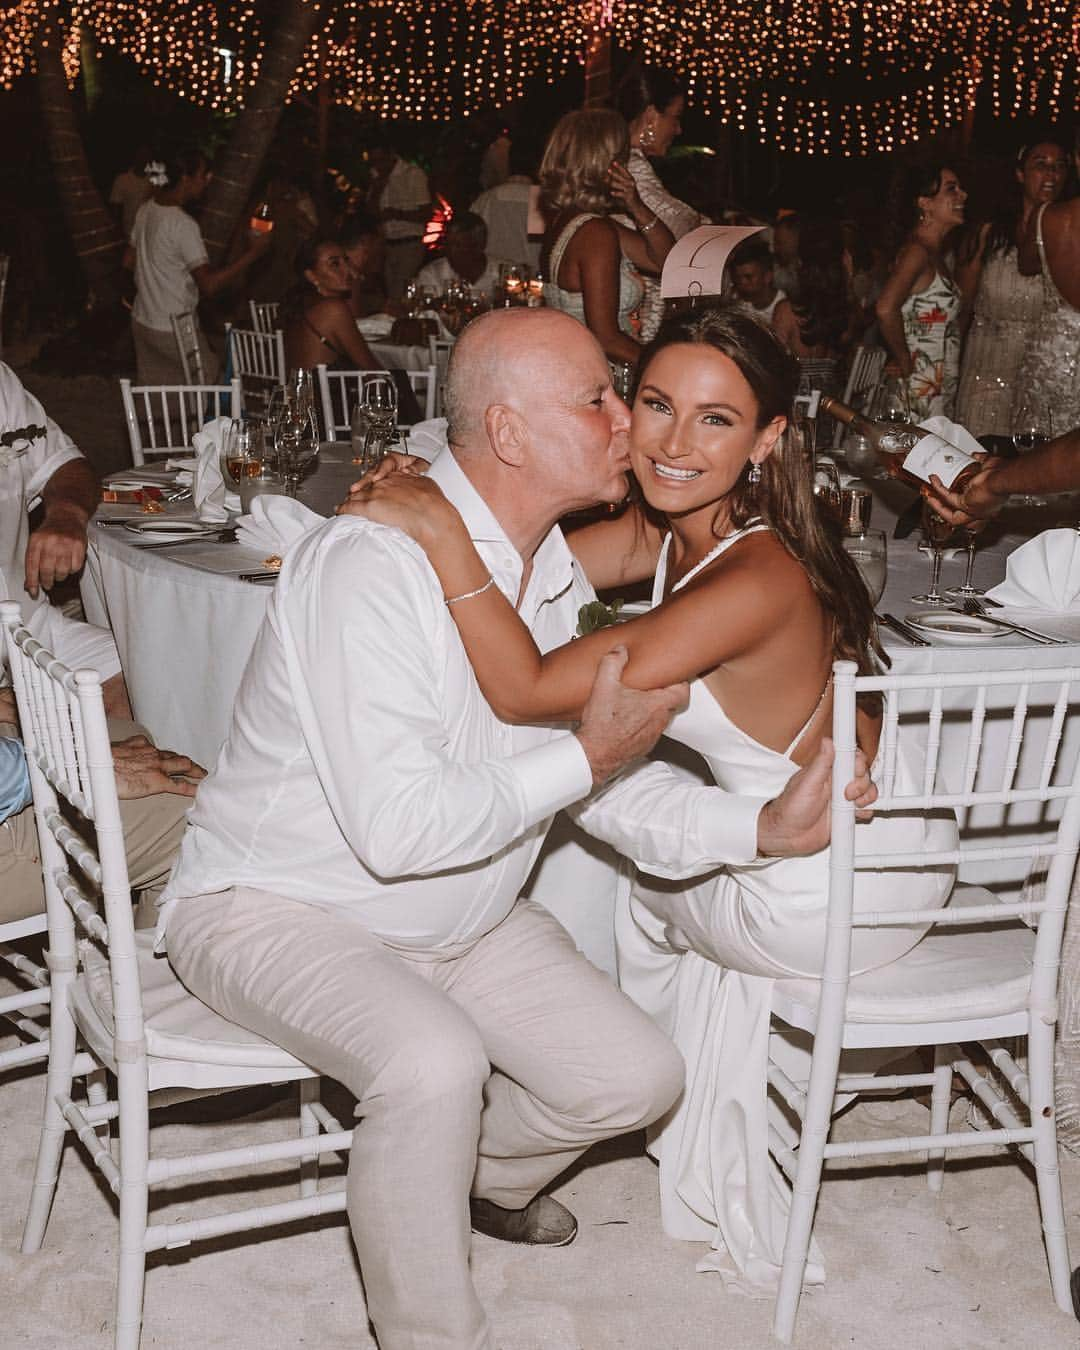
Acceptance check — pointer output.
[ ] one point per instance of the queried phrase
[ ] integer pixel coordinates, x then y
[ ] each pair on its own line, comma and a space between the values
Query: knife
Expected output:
901, 628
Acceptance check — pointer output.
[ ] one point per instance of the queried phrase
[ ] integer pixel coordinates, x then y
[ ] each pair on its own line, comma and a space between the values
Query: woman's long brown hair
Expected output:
784, 497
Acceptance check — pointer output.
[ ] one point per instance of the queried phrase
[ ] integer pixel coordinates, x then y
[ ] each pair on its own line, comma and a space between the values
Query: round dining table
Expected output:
185, 622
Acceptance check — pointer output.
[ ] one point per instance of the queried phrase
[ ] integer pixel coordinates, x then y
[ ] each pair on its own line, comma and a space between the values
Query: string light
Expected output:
784, 70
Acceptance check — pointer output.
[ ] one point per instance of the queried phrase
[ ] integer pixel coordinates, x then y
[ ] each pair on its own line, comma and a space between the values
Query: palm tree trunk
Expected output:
98, 243
235, 174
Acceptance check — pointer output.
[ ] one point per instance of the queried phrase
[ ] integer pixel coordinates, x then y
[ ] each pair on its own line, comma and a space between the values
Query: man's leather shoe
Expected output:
543, 1222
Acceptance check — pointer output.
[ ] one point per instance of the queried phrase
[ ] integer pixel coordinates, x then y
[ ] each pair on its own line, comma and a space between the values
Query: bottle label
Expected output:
932, 455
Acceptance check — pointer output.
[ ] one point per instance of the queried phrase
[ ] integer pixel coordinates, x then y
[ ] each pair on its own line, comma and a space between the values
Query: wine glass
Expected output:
966, 590
378, 399
805, 424
296, 441
826, 484
869, 552
937, 532
892, 401
243, 449
1028, 433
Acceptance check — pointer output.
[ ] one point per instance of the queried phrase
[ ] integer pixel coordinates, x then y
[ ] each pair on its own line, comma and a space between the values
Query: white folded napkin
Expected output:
375, 326
426, 439
1043, 573
212, 501
275, 523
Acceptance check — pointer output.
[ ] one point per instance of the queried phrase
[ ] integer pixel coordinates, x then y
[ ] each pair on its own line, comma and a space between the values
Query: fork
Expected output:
976, 610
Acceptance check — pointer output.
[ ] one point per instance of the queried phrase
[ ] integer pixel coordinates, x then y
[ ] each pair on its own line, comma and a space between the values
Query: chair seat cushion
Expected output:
955, 973
178, 1025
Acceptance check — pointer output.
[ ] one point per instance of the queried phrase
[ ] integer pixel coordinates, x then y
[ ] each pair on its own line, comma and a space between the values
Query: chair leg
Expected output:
134, 1127
309, 1127
940, 1101
1047, 1173
53, 1125
97, 1092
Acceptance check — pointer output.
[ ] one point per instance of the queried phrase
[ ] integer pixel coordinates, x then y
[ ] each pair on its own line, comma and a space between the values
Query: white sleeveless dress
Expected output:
631, 287
701, 956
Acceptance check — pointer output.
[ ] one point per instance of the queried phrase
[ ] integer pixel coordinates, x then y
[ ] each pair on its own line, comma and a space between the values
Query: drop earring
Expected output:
753, 478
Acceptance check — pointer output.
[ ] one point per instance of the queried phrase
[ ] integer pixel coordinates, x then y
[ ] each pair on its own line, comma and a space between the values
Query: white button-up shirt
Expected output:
364, 771
32, 448
406, 189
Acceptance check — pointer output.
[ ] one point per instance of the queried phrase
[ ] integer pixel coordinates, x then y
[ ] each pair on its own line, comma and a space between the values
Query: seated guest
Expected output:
590, 260
754, 599
154, 787
505, 211
348, 884
39, 462
365, 252
319, 325
464, 261
786, 252
752, 278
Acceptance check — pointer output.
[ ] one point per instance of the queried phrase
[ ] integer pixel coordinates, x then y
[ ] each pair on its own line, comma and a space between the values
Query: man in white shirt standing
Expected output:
349, 882
400, 199
39, 462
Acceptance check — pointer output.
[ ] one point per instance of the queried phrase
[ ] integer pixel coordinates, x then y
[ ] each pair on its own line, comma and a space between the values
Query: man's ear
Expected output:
507, 433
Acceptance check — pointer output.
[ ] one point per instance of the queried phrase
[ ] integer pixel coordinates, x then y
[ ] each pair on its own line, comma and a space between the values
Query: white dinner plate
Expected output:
137, 478
161, 527
948, 626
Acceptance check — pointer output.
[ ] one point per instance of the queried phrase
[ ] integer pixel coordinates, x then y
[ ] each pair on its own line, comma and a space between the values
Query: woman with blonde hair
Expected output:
590, 257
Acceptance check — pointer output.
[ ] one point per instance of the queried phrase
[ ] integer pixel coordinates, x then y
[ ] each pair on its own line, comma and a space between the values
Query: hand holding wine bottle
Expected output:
908, 452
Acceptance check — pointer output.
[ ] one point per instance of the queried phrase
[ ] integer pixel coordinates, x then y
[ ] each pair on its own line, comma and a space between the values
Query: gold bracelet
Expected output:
469, 595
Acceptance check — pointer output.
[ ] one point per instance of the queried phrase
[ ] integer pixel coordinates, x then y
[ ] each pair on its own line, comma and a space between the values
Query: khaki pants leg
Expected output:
321, 986
576, 1061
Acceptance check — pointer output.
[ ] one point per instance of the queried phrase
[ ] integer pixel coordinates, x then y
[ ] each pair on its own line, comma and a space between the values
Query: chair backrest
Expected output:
425, 385
867, 363
186, 332
339, 393
264, 315
83, 860
943, 719
162, 418
439, 350
259, 361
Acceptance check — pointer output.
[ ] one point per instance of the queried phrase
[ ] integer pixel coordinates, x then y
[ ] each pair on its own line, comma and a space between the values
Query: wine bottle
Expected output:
262, 219
908, 451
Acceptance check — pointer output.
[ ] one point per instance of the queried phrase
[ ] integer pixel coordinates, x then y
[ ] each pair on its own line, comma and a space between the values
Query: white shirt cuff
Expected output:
552, 776
727, 828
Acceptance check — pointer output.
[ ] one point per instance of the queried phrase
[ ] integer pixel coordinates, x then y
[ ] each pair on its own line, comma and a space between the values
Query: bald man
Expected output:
348, 885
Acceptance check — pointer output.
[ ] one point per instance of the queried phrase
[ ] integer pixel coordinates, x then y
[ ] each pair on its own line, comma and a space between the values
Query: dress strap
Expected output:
569, 230
754, 526
809, 721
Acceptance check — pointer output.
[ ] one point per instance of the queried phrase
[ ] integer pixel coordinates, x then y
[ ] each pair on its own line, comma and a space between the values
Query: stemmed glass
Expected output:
891, 401
1029, 432
296, 441
243, 449
378, 401
936, 532
966, 591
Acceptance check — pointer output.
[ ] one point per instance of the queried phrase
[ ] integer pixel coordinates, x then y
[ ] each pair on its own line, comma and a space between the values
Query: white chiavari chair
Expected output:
186, 332
980, 977
264, 315
162, 418
867, 364
439, 349
118, 1007
25, 1009
340, 391
258, 359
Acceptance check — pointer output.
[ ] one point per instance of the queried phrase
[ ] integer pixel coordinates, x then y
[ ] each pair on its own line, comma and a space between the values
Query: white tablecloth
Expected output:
184, 626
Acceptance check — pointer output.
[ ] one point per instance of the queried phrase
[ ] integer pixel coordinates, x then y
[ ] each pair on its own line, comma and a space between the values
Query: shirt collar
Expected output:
553, 563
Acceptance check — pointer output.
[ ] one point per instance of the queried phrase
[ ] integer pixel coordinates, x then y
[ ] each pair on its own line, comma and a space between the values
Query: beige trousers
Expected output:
488, 1072
153, 828
157, 358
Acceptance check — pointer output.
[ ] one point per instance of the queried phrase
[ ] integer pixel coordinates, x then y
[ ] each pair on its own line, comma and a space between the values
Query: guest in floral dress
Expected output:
919, 307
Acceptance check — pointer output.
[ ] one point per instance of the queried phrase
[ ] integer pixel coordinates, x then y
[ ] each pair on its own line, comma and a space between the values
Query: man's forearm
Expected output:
72, 491
1053, 468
